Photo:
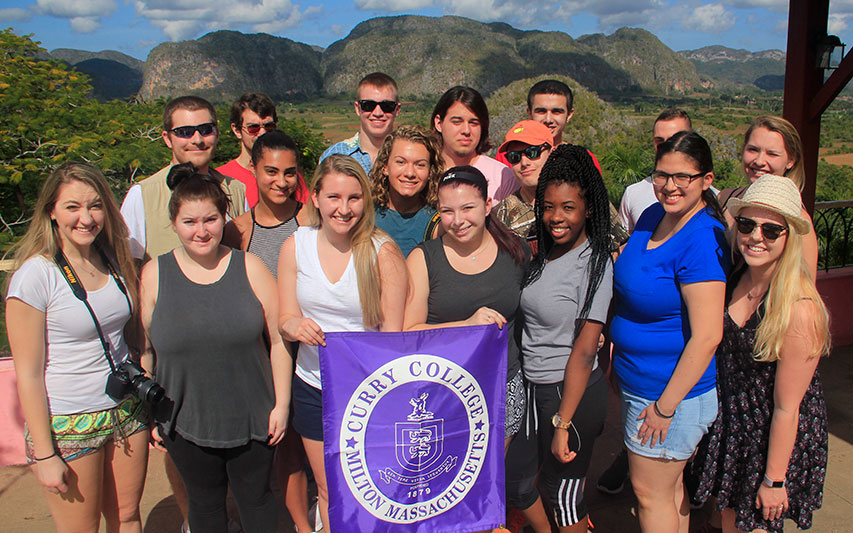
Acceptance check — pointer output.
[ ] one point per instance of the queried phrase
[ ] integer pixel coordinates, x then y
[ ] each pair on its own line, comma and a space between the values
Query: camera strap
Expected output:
80, 292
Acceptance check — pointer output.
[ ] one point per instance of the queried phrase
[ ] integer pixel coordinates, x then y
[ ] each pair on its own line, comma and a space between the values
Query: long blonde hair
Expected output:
416, 134
42, 236
791, 281
791, 140
361, 236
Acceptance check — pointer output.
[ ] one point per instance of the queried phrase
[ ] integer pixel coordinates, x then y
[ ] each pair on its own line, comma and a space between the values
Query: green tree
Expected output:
623, 165
40, 103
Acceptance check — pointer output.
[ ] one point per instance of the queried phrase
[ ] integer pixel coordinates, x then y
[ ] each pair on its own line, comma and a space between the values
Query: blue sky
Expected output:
136, 26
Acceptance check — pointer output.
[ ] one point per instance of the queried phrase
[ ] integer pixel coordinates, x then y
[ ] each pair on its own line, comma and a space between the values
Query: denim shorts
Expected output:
692, 419
307, 409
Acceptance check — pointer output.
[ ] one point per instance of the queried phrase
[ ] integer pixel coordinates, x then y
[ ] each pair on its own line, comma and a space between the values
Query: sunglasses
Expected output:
186, 132
680, 179
254, 129
532, 153
770, 231
387, 106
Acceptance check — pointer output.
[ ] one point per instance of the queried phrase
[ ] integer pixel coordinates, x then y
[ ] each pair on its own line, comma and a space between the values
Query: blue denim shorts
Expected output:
692, 419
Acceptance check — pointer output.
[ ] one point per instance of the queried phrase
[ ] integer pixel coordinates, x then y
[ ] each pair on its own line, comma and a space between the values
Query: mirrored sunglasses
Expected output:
254, 129
532, 153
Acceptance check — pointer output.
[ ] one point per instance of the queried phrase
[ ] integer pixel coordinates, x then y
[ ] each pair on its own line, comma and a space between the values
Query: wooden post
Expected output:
807, 23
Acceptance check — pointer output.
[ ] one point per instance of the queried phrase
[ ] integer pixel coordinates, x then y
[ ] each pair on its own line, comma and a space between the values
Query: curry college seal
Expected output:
426, 424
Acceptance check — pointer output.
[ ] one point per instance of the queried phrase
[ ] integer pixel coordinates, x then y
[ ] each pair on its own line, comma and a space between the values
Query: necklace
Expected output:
82, 266
751, 297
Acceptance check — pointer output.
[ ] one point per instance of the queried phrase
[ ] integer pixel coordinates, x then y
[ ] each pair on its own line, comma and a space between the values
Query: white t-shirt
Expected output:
76, 370
501, 180
133, 212
637, 197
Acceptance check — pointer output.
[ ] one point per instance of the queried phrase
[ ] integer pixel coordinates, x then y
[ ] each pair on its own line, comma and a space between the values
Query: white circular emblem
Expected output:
440, 436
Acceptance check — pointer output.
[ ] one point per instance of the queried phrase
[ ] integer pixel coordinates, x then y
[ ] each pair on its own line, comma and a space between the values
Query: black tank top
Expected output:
455, 296
211, 357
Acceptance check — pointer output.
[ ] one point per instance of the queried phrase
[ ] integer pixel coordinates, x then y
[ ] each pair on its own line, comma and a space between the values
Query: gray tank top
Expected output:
455, 296
211, 357
265, 241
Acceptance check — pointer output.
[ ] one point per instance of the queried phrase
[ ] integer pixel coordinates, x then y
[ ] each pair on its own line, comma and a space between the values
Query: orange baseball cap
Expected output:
529, 132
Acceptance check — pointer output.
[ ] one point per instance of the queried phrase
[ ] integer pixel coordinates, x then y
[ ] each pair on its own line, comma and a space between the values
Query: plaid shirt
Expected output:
352, 148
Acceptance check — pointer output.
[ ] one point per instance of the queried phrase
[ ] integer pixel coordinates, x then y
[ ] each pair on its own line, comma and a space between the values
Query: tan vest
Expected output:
159, 235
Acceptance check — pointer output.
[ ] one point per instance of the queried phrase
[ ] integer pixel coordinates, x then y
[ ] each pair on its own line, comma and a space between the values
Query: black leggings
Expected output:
207, 473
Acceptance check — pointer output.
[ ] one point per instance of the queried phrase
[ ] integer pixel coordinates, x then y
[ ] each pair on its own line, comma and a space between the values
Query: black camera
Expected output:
129, 378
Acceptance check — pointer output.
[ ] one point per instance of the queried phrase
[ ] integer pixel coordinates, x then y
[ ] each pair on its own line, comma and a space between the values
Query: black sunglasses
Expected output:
387, 106
532, 152
770, 231
186, 132
254, 129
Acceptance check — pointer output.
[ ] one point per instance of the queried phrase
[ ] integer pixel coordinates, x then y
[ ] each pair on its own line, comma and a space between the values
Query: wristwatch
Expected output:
773, 484
558, 423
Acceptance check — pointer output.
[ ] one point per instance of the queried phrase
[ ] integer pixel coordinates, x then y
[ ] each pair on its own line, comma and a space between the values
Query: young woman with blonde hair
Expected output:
405, 186
765, 457
338, 272
88, 450
771, 145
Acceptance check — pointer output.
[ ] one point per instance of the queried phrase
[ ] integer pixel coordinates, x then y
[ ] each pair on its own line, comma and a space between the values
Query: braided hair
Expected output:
573, 165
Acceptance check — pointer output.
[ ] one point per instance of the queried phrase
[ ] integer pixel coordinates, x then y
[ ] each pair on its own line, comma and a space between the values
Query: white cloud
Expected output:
85, 24
710, 18
393, 5
15, 14
775, 5
836, 24
84, 17
73, 8
183, 19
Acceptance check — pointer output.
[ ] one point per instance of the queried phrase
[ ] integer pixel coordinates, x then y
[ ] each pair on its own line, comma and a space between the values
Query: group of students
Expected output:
412, 245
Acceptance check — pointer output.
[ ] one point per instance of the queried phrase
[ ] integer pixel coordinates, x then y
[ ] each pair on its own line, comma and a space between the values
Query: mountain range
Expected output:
425, 55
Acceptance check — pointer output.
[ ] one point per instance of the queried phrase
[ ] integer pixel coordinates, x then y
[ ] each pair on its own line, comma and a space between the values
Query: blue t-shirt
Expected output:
650, 326
408, 230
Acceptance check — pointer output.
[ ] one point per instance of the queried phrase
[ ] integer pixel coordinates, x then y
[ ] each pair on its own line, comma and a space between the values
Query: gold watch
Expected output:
558, 423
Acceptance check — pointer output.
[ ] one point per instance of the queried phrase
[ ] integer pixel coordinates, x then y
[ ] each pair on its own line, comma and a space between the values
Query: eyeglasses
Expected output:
680, 179
186, 132
532, 153
254, 129
770, 231
387, 106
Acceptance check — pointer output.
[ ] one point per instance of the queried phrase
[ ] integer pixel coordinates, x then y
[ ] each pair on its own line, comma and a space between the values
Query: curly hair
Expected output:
573, 165
379, 179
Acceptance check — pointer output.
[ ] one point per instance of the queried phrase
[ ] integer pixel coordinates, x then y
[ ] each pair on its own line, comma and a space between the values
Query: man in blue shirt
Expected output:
376, 106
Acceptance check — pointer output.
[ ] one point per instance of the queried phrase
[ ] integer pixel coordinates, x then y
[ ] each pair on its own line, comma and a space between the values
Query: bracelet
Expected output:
657, 412
37, 459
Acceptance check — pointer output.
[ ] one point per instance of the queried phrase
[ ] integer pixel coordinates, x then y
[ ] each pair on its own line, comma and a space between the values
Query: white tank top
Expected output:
333, 306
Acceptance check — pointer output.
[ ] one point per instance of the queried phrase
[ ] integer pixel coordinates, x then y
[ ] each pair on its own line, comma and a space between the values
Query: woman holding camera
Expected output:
88, 450
207, 310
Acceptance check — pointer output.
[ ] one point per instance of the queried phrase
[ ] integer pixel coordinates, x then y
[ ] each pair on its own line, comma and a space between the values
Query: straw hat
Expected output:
777, 194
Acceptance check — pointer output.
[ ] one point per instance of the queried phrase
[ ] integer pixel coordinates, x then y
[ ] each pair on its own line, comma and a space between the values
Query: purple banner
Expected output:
413, 427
